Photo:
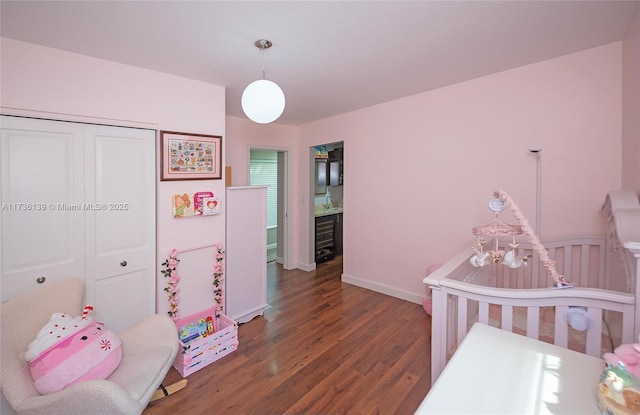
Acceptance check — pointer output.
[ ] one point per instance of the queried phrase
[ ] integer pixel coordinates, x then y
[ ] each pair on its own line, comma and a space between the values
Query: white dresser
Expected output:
498, 372
246, 252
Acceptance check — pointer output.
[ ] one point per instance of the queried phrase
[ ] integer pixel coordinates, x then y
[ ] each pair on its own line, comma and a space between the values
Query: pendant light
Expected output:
263, 100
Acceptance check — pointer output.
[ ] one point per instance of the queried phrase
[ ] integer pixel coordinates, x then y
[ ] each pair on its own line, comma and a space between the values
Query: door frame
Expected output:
283, 193
312, 196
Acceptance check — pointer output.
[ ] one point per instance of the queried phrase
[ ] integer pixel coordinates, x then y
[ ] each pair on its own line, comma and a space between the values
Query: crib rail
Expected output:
454, 301
514, 300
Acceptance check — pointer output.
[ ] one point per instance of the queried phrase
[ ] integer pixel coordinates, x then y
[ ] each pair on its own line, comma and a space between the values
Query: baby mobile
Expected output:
497, 229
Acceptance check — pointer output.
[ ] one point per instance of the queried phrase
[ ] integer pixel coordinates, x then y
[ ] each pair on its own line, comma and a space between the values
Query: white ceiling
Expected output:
329, 57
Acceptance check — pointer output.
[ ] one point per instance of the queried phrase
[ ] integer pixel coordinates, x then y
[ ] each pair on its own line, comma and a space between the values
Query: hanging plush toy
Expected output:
69, 350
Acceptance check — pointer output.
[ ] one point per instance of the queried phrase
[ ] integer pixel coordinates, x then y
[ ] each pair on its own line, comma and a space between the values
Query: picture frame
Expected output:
186, 156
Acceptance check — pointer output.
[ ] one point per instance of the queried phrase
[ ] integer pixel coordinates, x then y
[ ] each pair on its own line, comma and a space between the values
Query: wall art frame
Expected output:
186, 156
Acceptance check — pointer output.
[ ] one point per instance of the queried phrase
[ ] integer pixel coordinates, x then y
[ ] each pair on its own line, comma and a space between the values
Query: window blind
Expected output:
265, 172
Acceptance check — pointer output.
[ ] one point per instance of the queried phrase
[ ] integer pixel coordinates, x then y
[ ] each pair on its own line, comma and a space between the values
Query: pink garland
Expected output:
172, 288
560, 280
218, 280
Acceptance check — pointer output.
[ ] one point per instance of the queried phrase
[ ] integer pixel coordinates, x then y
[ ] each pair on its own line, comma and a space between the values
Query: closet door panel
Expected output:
111, 295
42, 200
121, 250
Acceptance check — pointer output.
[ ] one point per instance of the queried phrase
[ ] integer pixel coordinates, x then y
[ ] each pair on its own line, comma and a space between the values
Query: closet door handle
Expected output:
41, 280
123, 264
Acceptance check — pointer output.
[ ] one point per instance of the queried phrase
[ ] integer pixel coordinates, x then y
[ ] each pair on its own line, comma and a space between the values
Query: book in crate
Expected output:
203, 340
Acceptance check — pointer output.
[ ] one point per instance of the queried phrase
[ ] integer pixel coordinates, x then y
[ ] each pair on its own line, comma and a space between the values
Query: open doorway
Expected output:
269, 167
327, 182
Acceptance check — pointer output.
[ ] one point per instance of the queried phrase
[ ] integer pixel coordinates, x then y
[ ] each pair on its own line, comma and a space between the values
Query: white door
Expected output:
42, 235
79, 200
120, 226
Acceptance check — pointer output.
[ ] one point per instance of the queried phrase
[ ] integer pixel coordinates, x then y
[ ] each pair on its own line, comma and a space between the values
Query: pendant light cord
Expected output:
263, 72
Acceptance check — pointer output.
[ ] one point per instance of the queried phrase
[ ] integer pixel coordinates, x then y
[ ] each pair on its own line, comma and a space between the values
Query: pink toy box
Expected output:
203, 341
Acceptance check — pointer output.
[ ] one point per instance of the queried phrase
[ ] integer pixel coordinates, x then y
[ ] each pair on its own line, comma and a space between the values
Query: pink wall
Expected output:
243, 135
631, 105
420, 170
42, 81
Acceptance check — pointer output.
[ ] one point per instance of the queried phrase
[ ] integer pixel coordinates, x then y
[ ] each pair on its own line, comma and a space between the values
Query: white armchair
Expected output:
148, 350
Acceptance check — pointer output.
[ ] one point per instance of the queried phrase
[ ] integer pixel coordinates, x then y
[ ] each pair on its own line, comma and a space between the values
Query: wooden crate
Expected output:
205, 348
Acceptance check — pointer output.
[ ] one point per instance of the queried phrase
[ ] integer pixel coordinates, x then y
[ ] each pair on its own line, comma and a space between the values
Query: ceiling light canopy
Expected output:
263, 100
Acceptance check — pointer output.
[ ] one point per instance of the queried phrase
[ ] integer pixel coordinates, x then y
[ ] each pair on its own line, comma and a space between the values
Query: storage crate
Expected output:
201, 348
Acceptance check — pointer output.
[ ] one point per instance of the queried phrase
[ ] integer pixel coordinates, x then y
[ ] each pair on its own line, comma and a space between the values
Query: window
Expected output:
264, 171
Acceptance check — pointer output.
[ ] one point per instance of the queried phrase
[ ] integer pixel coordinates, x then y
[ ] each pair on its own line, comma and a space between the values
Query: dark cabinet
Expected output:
338, 234
336, 167
325, 238
328, 237
321, 177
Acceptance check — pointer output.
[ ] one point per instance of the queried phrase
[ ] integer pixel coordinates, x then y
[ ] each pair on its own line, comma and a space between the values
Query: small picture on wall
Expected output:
195, 204
190, 156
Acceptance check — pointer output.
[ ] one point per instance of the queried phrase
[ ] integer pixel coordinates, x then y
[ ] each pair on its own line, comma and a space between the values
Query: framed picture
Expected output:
190, 156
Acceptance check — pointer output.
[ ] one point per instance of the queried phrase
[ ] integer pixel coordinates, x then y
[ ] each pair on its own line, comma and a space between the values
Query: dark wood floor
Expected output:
322, 347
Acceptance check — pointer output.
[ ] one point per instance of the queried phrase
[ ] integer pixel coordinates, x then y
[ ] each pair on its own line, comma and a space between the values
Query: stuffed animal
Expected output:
618, 392
69, 350
629, 355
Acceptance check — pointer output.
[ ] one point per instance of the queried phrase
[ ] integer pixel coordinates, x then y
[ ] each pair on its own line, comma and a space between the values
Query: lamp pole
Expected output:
536, 151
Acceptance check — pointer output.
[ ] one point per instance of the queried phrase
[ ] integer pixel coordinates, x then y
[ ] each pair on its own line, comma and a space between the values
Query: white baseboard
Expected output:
306, 267
384, 289
247, 316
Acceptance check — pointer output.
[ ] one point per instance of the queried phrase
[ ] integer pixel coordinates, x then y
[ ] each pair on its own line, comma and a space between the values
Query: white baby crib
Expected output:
604, 272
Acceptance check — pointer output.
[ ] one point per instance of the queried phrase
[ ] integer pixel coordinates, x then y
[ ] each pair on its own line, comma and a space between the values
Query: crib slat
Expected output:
533, 322
520, 271
505, 277
560, 326
552, 255
462, 319
627, 324
519, 279
601, 271
535, 273
507, 318
483, 313
594, 335
584, 266
566, 265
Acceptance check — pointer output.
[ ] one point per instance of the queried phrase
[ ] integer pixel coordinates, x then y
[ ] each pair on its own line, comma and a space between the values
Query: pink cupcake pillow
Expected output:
70, 350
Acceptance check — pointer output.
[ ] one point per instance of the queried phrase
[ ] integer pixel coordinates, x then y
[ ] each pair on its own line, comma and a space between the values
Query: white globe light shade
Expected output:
263, 101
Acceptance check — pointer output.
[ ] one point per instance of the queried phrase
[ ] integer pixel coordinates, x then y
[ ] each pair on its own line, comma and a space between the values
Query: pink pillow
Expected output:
68, 351
427, 305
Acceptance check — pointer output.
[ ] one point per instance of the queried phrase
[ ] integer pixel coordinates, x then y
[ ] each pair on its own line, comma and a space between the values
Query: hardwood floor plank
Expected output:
322, 347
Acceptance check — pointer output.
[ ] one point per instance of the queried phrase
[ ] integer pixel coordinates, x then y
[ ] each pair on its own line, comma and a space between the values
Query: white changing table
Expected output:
498, 372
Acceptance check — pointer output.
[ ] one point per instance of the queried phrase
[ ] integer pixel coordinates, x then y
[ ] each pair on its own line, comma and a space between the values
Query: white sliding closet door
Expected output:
96, 185
41, 161
120, 234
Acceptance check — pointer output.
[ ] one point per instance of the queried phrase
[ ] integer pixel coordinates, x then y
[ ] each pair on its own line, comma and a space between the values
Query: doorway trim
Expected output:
283, 193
